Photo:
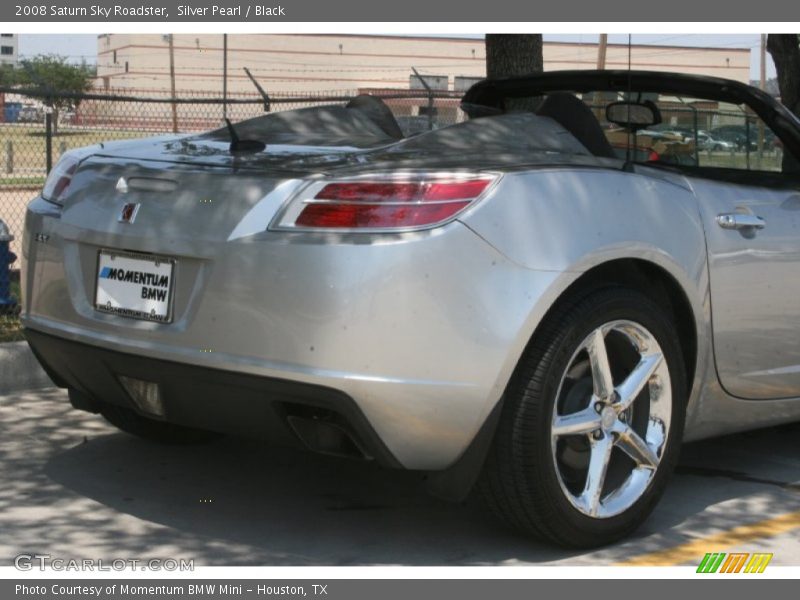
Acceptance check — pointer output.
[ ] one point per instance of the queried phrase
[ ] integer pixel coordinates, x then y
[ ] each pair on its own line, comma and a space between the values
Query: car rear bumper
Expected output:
284, 412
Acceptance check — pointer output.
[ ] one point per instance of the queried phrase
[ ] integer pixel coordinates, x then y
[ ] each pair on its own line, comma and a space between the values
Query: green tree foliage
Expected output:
55, 79
8, 76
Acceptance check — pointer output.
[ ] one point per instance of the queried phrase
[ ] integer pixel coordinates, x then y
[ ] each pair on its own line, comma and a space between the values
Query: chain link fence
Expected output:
33, 135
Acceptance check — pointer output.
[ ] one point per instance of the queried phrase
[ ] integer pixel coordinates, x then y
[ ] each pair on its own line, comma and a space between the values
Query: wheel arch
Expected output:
651, 279
654, 280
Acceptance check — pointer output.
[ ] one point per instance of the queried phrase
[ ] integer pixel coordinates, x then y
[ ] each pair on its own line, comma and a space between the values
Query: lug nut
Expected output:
598, 435
654, 385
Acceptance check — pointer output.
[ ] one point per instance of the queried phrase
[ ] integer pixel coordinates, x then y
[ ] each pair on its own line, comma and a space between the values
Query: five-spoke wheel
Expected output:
612, 418
592, 420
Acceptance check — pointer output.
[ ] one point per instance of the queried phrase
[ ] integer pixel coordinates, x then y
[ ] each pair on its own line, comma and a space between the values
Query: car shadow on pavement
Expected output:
268, 505
265, 505
81, 489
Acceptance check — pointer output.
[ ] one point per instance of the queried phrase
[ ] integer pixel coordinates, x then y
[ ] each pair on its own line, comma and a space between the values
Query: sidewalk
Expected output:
19, 369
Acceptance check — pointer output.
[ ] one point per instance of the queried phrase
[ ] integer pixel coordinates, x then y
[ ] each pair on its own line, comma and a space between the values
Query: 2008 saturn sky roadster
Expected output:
541, 302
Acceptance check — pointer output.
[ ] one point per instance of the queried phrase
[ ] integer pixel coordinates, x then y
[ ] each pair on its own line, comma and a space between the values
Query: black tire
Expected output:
133, 423
520, 482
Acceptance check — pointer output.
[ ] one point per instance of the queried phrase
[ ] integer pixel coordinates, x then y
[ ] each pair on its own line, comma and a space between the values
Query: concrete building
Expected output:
9, 54
336, 65
303, 64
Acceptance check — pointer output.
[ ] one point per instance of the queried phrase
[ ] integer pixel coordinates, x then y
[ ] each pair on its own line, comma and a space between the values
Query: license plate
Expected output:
135, 285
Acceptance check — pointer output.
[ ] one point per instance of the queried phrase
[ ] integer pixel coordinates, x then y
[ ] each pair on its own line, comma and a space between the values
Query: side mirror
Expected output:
633, 115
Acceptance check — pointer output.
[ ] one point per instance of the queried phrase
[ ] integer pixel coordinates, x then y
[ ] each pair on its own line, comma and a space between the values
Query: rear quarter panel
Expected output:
569, 220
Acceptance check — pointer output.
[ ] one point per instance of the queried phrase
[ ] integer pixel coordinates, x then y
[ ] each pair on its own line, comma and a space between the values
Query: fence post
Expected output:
430, 98
172, 83
48, 138
224, 76
695, 122
430, 109
747, 140
9, 157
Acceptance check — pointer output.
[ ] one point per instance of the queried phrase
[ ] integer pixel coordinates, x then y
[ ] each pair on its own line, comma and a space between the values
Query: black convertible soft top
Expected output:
491, 93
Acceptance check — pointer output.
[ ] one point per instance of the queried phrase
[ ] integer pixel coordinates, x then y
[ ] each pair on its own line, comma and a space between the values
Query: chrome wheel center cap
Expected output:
608, 417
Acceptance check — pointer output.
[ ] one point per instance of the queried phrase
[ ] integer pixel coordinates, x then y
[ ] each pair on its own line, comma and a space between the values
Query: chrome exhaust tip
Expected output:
146, 395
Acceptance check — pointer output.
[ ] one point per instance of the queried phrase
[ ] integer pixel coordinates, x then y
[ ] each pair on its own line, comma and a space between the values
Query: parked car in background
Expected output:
67, 117
740, 135
413, 125
30, 114
705, 141
665, 135
507, 304
651, 146
677, 131
733, 135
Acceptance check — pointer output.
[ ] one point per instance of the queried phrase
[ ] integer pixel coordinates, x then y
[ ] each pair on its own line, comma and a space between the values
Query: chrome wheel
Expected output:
592, 421
611, 419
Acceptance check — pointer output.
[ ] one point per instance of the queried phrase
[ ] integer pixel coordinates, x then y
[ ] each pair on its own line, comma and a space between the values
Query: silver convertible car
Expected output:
531, 303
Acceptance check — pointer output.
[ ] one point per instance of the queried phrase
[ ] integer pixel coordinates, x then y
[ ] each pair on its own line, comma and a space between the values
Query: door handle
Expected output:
740, 221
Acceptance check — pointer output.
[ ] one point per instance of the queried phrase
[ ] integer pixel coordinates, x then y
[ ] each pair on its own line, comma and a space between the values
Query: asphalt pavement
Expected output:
72, 486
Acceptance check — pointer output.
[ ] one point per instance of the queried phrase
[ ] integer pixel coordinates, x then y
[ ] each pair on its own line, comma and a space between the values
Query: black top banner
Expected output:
406, 11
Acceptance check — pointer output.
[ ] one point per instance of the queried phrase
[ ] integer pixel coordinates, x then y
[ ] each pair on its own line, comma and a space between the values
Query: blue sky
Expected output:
84, 46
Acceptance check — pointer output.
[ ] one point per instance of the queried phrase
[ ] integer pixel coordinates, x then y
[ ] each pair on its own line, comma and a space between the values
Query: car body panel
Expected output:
754, 288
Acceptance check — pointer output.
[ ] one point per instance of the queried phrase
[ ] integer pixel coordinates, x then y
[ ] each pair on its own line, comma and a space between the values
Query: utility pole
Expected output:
224, 76
601, 51
597, 99
172, 83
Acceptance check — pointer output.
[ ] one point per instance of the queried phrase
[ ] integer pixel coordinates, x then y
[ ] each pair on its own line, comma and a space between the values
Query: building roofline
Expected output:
480, 40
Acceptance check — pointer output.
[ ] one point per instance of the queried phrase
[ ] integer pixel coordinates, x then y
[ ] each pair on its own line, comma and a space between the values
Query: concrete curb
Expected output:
19, 369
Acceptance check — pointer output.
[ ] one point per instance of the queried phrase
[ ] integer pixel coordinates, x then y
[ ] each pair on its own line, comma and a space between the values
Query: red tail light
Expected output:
384, 204
60, 177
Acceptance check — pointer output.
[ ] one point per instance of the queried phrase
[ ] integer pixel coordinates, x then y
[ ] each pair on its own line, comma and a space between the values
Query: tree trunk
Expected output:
513, 54
785, 51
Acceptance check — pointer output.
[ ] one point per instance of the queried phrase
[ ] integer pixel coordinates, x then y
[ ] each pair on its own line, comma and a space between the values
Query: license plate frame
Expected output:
143, 263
